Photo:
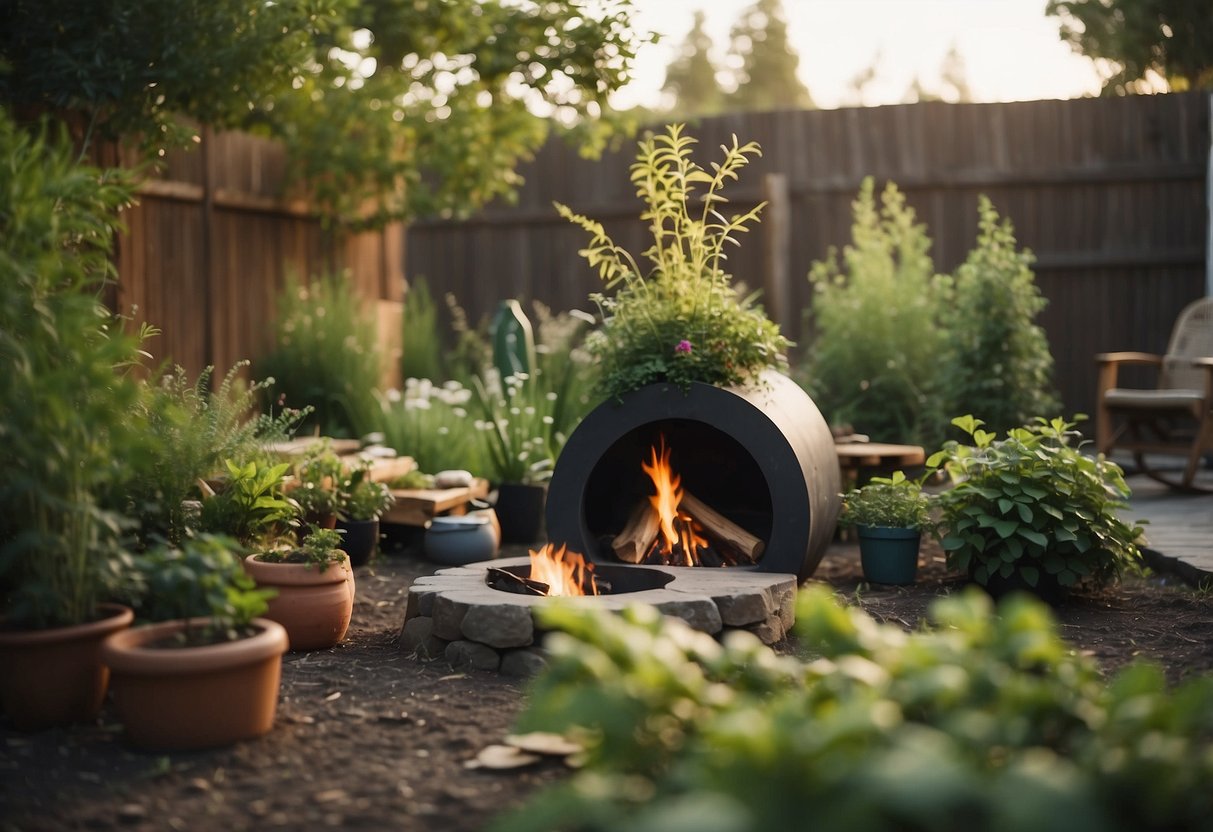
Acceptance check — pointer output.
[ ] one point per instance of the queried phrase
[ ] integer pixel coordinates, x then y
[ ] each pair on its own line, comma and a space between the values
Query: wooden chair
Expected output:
1176, 417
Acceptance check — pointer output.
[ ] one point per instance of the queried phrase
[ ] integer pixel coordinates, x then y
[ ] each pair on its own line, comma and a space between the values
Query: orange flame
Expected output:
677, 528
566, 573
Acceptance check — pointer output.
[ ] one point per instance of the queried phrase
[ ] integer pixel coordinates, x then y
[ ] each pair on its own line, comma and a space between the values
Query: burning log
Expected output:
723, 530
509, 582
638, 536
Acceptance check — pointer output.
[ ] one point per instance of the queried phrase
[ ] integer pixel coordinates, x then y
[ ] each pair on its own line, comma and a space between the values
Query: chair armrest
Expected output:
1128, 358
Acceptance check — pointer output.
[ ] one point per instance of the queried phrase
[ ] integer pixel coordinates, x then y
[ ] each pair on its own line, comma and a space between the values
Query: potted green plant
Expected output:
315, 586
889, 515
64, 404
1031, 511
363, 501
316, 486
251, 505
207, 672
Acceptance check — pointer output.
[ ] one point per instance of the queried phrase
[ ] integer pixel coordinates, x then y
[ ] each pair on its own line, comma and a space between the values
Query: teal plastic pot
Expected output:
889, 556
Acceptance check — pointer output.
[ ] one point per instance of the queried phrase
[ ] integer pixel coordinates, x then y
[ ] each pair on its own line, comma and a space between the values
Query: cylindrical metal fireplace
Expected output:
763, 456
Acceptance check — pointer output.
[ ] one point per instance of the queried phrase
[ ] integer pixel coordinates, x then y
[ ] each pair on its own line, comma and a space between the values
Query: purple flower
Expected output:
683, 347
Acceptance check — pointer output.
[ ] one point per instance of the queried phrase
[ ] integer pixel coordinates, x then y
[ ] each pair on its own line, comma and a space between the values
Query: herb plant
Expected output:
892, 502
363, 498
319, 548
203, 577
251, 505
317, 487
683, 321
519, 445
1033, 504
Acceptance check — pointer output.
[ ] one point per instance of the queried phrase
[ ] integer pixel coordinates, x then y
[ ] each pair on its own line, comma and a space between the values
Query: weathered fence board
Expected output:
1108, 193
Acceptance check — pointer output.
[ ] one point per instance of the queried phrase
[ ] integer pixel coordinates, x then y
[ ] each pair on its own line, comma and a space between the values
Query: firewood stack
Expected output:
729, 544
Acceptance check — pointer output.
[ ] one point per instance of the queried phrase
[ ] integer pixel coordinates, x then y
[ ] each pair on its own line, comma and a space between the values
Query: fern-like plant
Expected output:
682, 320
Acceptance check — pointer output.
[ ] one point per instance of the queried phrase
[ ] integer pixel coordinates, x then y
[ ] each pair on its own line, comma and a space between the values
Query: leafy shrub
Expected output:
1033, 504
325, 356
981, 722
318, 475
65, 398
997, 363
683, 321
363, 498
319, 548
565, 367
250, 505
876, 345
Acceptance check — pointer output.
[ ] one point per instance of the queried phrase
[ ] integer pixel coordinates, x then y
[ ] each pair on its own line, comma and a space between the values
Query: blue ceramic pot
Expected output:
454, 541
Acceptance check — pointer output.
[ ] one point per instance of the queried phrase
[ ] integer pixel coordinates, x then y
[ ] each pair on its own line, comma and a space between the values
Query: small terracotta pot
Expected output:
56, 676
194, 697
314, 606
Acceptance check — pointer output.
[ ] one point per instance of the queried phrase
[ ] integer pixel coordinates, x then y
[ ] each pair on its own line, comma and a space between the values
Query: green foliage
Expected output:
319, 548
420, 343
317, 481
893, 502
203, 577
1136, 42
191, 430
684, 321
981, 721
691, 77
567, 372
767, 79
65, 398
363, 498
388, 109
325, 356
517, 427
997, 362
1034, 504
431, 424
250, 506
876, 347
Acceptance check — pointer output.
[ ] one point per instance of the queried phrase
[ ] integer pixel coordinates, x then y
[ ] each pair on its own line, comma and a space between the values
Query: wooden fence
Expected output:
1108, 193
212, 241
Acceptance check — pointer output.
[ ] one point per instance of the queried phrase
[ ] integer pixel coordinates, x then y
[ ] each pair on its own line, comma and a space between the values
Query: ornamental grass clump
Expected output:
683, 320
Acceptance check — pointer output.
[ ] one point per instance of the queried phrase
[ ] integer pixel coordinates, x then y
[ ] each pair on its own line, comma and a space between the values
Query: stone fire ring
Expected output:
454, 614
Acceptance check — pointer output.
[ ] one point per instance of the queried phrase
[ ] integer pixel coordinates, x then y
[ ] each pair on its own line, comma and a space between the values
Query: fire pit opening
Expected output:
710, 470
611, 580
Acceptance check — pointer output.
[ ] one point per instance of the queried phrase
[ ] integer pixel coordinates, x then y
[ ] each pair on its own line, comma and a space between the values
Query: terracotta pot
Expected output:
194, 697
56, 676
314, 606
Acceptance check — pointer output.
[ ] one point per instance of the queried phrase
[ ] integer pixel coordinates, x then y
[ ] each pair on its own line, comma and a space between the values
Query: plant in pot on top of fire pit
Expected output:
682, 320
363, 502
1032, 512
207, 674
889, 514
315, 586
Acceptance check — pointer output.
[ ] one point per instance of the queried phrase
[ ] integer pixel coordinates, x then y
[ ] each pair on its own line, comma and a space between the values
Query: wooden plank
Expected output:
416, 507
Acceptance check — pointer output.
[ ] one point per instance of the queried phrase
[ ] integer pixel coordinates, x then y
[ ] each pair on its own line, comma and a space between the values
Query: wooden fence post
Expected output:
776, 226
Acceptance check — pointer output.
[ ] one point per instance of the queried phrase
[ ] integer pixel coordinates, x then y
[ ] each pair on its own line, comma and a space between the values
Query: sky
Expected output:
1010, 48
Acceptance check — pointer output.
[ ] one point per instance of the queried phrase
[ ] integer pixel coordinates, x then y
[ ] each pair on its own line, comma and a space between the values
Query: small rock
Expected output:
132, 813
499, 625
473, 655
500, 757
523, 664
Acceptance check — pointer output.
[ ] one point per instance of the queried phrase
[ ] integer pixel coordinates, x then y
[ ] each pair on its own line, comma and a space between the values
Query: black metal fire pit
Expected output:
762, 456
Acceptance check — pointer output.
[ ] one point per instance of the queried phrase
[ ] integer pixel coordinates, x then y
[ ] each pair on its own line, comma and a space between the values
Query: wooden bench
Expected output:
860, 461
418, 506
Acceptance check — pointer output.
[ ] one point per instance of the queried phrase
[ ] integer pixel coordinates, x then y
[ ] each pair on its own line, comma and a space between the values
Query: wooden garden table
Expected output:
860, 461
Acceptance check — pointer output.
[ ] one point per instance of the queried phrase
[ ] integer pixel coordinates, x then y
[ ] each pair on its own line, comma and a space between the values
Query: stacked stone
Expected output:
457, 616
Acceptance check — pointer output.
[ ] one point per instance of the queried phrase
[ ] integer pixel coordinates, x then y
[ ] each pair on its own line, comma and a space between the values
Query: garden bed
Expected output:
368, 738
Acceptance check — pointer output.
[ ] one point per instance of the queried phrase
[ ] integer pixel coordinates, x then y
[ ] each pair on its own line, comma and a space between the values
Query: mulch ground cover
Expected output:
368, 738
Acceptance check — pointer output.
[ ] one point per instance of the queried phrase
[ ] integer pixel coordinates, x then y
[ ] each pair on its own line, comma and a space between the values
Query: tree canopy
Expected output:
388, 108
691, 78
1139, 42
766, 79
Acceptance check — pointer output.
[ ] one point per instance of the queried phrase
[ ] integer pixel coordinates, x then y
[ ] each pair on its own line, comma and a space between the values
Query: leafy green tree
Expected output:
691, 78
997, 364
766, 79
1133, 41
873, 359
389, 108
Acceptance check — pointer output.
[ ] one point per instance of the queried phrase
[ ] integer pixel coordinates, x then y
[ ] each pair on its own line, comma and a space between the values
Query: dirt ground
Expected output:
367, 738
